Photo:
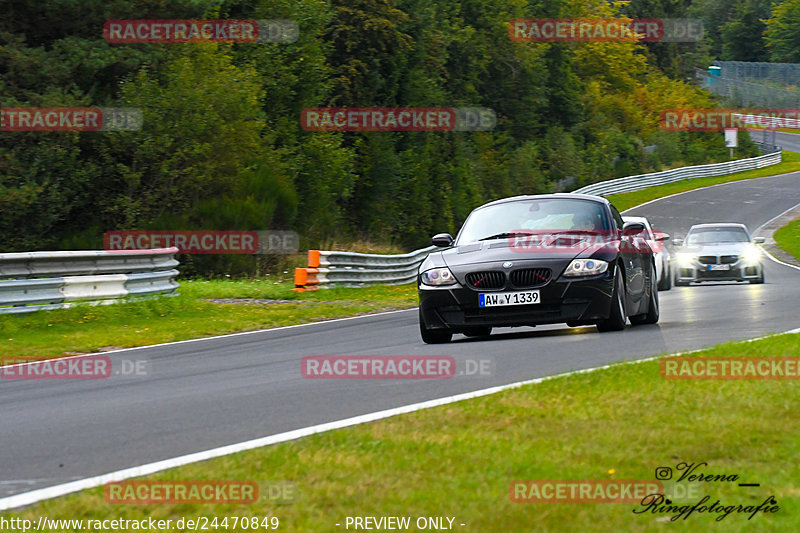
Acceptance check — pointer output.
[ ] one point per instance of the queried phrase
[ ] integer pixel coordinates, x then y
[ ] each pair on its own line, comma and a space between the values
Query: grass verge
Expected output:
189, 316
626, 200
458, 460
788, 238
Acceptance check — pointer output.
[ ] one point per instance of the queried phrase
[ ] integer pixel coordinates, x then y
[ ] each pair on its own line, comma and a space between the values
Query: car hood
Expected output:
503, 250
732, 248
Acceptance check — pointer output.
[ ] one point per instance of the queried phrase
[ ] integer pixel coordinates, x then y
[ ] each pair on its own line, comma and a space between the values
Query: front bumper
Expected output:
696, 272
582, 300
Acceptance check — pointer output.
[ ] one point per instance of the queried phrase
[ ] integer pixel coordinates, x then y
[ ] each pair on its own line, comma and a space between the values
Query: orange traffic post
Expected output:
313, 258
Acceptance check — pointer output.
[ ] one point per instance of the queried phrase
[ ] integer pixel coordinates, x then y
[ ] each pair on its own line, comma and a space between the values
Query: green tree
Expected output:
368, 50
783, 39
743, 37
202, 125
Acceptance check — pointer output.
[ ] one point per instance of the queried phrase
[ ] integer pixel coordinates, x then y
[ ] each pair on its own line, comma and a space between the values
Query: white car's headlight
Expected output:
684, 259
438, 276
752, 255
586, 267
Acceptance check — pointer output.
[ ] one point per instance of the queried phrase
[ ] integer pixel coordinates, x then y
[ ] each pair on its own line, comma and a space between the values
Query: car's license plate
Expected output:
496, 299
719, 267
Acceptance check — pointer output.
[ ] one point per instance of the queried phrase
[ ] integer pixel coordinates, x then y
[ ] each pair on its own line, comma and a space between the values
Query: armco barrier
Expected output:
642, 181
32, 281
351, 268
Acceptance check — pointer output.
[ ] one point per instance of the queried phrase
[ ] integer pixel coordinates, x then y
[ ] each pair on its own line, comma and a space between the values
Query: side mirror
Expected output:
633, 228
677, 242
759, 240
443, 240
662, 236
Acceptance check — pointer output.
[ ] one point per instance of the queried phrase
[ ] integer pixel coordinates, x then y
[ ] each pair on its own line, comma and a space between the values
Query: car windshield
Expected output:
542, 214
717, 235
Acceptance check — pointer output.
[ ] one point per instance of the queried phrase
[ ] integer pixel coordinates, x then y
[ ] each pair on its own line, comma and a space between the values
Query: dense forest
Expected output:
222, 148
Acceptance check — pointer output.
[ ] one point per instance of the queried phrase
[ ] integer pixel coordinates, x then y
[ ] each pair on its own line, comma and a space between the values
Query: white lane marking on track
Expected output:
769, 255
27, 498
767, 223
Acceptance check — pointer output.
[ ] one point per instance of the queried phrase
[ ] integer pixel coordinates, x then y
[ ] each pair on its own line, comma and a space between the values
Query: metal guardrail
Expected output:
642, 181
84, 262
351, 268
33, 281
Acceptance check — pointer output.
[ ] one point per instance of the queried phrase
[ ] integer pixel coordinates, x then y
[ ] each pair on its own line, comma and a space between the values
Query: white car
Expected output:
718, 252
655, 239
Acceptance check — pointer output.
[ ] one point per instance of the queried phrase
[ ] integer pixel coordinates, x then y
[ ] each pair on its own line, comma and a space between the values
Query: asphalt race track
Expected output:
206, 394
788, 141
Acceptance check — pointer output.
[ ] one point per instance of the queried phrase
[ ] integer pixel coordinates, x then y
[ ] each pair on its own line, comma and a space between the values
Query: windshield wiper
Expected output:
576, 231
503, 236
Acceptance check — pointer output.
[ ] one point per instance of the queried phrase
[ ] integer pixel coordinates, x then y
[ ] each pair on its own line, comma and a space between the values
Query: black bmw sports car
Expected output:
542, 259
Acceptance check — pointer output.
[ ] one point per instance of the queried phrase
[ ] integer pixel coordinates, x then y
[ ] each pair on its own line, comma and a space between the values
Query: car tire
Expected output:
760, 278
617, 317
653, 311
478, 331
433, 336
665, 283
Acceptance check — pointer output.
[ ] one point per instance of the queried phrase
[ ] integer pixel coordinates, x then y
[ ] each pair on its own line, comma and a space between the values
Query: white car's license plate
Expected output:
496, 299
719, 267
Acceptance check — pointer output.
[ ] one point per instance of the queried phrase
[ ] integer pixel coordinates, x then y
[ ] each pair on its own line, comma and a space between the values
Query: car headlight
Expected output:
586, 267
752, 255
684, 259
438, 276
